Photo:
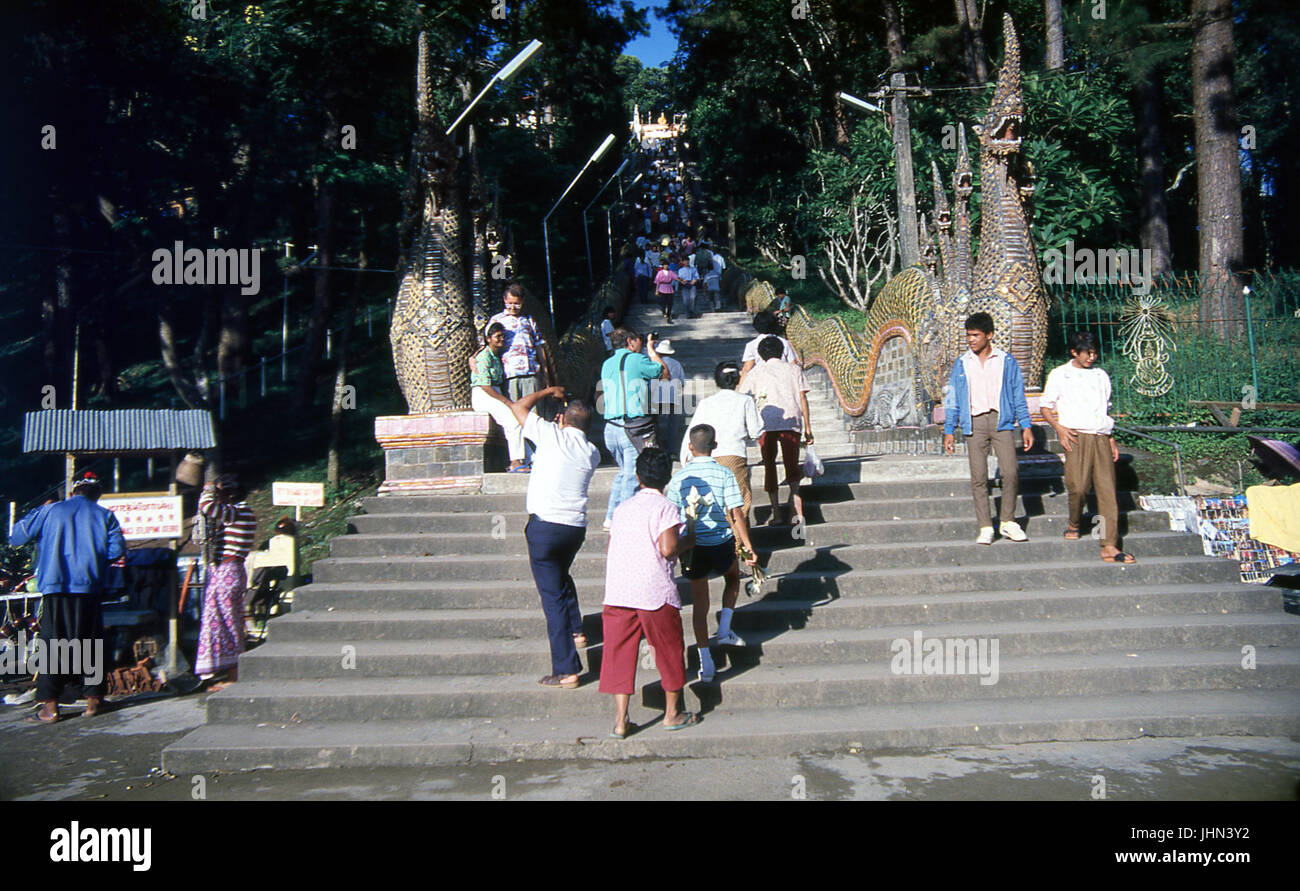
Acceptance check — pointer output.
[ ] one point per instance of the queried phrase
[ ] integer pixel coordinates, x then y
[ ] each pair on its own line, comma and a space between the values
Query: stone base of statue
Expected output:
432, 453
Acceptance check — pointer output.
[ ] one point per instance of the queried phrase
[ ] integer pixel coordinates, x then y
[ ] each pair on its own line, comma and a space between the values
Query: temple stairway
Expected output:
431, 603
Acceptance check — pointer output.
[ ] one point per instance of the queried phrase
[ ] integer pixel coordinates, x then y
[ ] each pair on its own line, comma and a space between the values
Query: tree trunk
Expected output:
731, 224
893, 33
968, 23
977, 41
171, 355
341, 368
56, 308
1055, 35
905, 185
1153, 214
305, 387
1218, 174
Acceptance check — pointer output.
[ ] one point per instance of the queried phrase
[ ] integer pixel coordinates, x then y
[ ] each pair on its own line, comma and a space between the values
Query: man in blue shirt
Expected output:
710, 490
625, 404
78, 539
986, 398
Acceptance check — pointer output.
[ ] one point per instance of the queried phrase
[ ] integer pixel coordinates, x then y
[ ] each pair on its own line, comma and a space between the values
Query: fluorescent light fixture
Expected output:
518, 61
502, 76
604, 147
850, 99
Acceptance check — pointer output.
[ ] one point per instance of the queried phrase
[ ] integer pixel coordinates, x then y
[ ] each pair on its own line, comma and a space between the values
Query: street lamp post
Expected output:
500, 77
546, 238
586, 232
609, 228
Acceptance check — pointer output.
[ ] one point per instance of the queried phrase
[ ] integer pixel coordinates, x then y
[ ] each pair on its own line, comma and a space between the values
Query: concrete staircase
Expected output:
431, 602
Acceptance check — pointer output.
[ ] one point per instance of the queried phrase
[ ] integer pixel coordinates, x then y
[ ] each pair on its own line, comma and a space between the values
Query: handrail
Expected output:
1178, 455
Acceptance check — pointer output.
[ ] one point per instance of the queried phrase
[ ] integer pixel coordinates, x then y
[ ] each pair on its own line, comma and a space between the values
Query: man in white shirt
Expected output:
667, 397
607, 328
734, 419
766, 325
1076, 402
557, 522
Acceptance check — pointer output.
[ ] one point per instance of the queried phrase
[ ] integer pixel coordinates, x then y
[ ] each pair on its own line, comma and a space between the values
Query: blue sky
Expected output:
657, 49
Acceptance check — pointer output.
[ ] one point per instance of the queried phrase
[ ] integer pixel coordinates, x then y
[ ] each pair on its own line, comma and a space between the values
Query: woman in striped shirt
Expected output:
231, 527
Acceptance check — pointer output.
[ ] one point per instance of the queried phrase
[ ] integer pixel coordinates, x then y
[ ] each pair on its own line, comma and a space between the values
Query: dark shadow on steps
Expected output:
787, 603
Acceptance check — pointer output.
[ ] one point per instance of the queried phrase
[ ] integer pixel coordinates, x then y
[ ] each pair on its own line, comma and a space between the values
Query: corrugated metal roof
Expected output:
123, 430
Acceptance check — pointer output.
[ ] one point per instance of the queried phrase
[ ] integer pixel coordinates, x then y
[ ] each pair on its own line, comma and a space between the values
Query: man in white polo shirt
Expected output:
557, 522
1076, 402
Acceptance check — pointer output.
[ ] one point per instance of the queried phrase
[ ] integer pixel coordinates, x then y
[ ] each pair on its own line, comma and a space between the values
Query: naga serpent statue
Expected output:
914, 328
432, 331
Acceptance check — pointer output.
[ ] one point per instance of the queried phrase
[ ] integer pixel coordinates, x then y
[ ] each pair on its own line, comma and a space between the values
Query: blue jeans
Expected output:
551, 549
620, 446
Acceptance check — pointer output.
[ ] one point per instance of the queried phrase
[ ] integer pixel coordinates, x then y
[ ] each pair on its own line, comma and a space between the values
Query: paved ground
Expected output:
116, 757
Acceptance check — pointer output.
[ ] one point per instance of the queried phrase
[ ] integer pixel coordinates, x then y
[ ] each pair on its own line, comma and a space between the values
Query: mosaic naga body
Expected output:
432, 331
921, 312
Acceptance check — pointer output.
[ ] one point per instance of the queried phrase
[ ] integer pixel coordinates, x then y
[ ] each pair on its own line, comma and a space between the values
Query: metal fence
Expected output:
1163, 356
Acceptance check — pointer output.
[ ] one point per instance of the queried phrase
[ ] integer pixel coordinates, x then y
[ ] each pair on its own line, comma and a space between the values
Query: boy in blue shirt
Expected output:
719, 500
986, 397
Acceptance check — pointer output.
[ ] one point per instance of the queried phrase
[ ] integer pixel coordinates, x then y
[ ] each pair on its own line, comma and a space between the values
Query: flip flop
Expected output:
1071, 534
691, 720
627, 731
1121, 557
522, 468
38, 718
553, 682
580, 640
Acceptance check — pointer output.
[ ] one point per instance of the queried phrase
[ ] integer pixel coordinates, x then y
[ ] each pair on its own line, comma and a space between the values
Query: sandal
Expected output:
42, 718
1071, 534
1121, 557
691, 720
554, 681
580, 640
628, 729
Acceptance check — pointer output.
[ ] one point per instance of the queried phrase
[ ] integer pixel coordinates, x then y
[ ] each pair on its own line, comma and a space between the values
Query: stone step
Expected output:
408, 612
762, 686
726, 733
822, 584
461, 656
470, 532
408, 558
821, 550
954, 494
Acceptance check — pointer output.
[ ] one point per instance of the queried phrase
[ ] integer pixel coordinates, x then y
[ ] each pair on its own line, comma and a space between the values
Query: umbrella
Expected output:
1275, 457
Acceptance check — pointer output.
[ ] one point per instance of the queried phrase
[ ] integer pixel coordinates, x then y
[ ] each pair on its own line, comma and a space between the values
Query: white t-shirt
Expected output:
733, 417
1080, 397
669, 392
751, 349
562, 469
606, 329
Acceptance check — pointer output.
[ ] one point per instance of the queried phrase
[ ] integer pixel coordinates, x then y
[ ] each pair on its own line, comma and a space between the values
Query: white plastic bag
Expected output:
812, 465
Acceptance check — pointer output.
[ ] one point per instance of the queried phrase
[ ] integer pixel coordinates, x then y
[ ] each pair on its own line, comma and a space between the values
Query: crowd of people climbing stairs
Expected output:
697, 515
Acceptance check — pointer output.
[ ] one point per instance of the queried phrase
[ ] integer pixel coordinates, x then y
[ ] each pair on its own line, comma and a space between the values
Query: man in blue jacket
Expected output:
78, 539
986, 396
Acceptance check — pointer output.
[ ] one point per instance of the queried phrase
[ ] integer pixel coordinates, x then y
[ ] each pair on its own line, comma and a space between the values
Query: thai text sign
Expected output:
146, 516
298, 494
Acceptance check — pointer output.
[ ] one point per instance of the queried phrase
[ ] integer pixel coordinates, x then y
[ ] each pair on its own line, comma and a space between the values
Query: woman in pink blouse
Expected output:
641, 596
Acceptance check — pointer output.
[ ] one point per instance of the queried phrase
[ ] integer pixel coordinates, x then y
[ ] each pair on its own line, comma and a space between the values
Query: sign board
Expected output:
146, 516
298, 494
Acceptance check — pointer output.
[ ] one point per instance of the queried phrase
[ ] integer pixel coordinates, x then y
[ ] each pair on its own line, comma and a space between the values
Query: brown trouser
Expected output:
985, 433
1090, 464
788, 442
740, 467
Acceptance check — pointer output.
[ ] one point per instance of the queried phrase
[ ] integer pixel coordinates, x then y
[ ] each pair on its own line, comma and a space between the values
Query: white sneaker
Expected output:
986, 536
730, 639
1013, 531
